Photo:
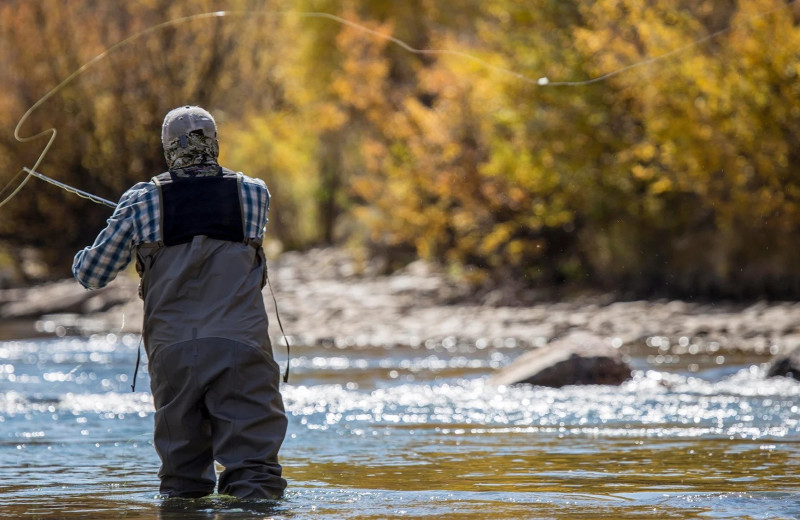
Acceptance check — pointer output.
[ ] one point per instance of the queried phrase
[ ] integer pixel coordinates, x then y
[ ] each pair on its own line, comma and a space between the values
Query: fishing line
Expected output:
543, 81
74, 369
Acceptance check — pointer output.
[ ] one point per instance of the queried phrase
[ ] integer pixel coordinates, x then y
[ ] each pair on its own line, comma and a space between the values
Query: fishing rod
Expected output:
67, 187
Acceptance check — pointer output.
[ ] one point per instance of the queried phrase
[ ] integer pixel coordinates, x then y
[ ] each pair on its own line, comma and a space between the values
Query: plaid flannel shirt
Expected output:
137, 220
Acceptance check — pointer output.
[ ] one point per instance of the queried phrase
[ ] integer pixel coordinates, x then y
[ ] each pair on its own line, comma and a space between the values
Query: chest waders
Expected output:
208, 206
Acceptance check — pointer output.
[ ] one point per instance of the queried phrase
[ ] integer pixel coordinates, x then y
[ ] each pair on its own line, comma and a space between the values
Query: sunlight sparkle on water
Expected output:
375, 426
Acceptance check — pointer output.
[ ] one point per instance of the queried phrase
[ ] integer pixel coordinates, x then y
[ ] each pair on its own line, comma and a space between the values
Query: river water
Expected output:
415, 432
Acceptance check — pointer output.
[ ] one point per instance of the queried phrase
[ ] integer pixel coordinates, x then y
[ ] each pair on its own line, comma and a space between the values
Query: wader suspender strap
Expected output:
138, 360
148, 260
285, 340
256, 243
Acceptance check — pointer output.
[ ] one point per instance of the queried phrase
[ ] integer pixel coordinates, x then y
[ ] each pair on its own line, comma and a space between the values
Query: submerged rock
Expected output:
577, 359
787, 365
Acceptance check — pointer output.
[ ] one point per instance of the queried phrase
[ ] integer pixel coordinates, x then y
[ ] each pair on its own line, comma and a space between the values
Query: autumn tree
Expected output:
109, 116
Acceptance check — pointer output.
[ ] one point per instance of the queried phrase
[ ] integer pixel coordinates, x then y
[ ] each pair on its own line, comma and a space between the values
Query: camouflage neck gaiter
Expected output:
197, 158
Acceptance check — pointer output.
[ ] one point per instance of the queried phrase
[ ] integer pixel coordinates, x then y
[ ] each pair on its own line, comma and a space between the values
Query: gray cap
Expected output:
185, 120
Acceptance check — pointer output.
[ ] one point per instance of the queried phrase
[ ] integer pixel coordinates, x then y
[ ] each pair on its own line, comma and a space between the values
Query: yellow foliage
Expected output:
679, 165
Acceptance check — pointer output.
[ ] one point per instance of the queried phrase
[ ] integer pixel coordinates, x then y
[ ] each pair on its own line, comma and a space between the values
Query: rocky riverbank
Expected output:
327, 297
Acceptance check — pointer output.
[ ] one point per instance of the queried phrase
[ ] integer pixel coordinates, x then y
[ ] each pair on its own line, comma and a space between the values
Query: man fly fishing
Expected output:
196, 233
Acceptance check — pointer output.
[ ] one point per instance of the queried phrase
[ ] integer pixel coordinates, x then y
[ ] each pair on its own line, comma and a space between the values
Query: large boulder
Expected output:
787, 365
63, 296
577, 359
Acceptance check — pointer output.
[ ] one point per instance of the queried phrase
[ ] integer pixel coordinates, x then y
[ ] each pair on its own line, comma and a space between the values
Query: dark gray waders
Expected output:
217, 399
213, 377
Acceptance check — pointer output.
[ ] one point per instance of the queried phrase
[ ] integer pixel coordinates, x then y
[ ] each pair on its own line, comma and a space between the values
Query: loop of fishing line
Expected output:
543, 81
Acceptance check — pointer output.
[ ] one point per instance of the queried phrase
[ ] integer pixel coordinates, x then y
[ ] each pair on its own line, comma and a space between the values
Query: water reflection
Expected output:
218, 507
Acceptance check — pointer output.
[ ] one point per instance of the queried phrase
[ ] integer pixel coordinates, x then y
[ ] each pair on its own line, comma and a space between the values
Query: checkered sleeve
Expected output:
133, 221
255, 205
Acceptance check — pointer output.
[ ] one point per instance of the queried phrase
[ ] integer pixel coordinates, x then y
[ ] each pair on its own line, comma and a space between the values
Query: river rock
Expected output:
576, 359
787, 365
63, 297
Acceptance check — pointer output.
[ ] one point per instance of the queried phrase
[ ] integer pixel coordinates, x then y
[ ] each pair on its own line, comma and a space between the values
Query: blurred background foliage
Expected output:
677, 178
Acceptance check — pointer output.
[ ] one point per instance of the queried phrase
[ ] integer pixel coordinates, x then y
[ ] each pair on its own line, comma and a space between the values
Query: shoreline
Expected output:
325, 298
